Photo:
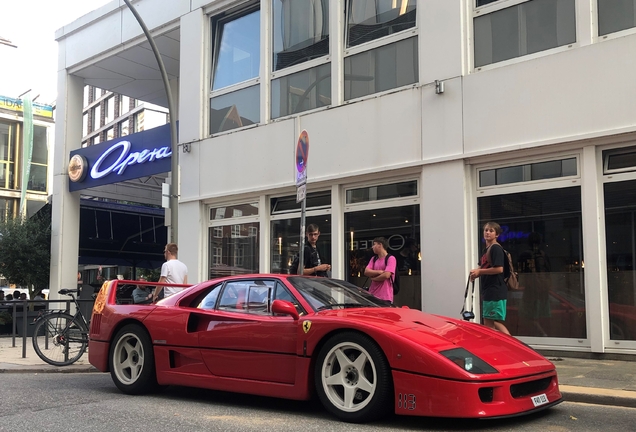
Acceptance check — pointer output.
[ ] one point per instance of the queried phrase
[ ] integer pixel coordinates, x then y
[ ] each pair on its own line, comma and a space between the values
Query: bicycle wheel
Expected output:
59, 339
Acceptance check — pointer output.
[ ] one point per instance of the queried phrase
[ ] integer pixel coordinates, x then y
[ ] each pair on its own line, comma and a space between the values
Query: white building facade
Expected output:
426, 118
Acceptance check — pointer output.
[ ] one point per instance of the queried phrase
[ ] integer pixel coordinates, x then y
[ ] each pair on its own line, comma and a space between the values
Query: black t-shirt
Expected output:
493, 287
312, 259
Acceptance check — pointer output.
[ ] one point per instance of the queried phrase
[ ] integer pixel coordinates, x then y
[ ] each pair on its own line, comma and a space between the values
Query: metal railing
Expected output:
23, 307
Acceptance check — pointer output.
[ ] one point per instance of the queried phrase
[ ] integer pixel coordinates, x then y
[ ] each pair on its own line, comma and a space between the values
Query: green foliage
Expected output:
25, 252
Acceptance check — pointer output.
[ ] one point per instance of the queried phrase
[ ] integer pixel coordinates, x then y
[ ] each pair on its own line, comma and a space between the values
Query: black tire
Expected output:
59, 339
353, 378
132, 361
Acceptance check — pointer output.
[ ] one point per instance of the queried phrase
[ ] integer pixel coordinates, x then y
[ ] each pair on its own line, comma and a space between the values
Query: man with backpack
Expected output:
493, 289
381, 270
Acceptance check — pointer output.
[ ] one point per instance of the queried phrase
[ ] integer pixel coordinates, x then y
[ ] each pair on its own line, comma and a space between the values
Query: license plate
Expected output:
539, 400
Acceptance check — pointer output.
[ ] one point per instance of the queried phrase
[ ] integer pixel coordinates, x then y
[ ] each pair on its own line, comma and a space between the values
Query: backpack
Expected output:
510, 276
395, 280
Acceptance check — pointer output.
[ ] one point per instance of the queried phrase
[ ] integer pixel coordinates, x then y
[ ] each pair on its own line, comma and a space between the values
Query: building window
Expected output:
382, 192
109, 110
95, 116
528, 172
543, 232
301, 31
285, 228
39, 160
233, 252
124, 105
504, 33
235, 97
7, 208
110, 134
620, 237
95, 140
300, 35
615, 15
381, 54
8, 138
400, 225
139, 121
85, 125
124, 128
301, 91
619, 160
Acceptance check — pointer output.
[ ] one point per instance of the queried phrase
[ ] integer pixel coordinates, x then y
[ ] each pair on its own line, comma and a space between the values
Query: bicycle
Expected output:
60, 338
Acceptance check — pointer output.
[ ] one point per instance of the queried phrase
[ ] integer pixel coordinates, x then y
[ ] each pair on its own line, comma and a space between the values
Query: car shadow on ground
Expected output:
314, 410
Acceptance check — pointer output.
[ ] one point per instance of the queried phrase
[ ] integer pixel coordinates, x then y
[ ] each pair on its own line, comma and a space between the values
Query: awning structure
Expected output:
121, 234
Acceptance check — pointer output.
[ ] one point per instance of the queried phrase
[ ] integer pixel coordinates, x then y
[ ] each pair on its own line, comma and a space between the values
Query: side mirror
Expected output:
285, 308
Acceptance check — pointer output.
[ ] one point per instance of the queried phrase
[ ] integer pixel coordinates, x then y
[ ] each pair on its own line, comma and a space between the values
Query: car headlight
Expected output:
468, 361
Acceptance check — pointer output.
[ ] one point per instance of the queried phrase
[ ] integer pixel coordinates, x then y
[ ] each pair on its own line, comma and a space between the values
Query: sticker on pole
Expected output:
302, 152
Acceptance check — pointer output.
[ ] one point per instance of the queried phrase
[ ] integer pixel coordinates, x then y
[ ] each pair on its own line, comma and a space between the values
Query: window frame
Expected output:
382, 203
377, 43
530, 161
498, 5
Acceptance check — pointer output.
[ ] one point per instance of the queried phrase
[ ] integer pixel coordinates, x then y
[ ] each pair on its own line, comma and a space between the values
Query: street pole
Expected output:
174, 167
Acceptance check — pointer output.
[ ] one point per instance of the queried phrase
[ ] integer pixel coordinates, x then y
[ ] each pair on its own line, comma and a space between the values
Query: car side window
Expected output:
247, 296
283, 293
209, 301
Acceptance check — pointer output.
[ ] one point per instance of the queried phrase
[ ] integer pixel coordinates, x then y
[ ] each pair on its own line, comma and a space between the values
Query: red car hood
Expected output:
437, 333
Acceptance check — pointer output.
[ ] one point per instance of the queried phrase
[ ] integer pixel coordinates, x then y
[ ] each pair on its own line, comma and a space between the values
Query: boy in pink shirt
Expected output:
380, 270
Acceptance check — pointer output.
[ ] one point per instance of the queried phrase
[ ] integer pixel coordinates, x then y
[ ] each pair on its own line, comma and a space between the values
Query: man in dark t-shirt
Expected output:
312, 264
493, 289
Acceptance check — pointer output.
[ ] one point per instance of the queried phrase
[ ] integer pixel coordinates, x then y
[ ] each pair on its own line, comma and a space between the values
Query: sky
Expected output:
31, 25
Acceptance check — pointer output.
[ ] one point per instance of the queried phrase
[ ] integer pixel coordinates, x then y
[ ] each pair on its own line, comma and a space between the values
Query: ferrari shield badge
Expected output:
306, 326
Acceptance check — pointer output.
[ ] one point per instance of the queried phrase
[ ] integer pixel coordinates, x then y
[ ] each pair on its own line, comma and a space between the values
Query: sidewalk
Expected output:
604, 382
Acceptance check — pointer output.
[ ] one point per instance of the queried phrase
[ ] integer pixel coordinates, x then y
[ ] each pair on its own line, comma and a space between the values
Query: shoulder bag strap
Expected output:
466, 295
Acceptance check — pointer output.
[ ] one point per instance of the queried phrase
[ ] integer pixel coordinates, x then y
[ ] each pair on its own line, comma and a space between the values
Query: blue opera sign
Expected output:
137, 155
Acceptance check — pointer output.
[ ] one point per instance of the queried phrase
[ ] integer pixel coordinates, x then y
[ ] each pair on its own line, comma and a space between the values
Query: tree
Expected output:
25, 252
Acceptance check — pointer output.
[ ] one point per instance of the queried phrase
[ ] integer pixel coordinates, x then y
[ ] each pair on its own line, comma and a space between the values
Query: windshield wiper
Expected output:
345, 305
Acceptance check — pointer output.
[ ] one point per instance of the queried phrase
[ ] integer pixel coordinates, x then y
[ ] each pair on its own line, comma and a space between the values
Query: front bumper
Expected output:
420, 395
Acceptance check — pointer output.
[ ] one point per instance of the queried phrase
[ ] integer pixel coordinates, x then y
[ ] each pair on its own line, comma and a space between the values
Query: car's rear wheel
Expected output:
353, 378
132, 361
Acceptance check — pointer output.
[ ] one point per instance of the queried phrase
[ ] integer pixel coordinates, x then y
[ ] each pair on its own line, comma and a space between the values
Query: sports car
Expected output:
296, 336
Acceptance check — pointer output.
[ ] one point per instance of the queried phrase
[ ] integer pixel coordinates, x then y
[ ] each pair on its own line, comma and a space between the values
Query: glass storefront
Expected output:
620, 236
286, 241
542, 230
401, 227
233, 240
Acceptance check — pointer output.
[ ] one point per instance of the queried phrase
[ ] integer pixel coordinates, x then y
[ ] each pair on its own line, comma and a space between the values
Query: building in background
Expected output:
426, 118
11, 143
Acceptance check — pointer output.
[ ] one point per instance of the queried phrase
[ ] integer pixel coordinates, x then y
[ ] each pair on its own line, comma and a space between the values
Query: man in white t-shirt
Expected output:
172, 271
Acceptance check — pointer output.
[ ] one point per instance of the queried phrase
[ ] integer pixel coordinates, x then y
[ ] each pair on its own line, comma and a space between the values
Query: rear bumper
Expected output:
419, 395
98, 354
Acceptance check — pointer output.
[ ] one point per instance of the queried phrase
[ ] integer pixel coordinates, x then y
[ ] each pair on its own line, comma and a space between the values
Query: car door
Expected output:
244, 340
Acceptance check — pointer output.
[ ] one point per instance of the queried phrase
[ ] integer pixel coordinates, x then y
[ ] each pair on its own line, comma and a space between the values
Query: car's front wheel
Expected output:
132, 362
353, 378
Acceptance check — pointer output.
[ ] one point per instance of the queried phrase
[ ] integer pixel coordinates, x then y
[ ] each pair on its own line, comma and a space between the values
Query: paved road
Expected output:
91, 402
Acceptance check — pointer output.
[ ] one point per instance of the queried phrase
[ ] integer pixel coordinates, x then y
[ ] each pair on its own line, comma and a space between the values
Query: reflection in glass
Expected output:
238, 52
401, 227
237, 210
238, 251
286, 240
615, 15
7, 208
542, 230
37, 178
382, 192
528, 172
526, 28
301, 91
301, 31
620, 236
235, 110
370, 20
40, 148
384, 68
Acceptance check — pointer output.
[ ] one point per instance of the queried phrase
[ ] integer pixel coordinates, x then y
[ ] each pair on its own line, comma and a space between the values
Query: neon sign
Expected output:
126, 158
137, 155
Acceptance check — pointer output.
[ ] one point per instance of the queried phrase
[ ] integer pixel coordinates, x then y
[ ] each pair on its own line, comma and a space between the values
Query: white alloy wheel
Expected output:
349, 377
128, 359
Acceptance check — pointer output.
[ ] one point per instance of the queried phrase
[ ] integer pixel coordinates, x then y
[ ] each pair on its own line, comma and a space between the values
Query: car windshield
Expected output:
324, 293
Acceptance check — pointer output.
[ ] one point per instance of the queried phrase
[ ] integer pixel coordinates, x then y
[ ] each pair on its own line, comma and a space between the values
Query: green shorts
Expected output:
494, 310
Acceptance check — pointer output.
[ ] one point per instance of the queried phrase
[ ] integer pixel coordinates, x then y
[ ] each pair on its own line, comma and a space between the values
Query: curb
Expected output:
598, 396
15, 368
